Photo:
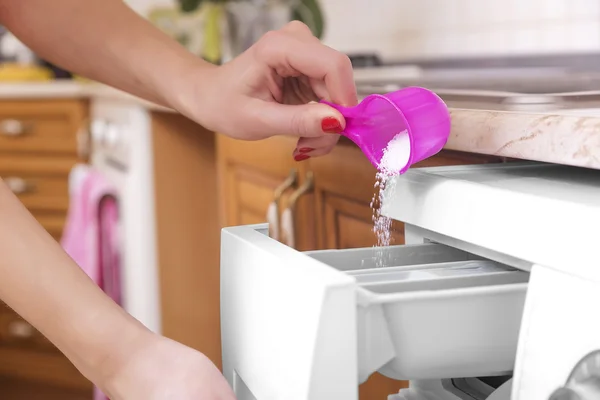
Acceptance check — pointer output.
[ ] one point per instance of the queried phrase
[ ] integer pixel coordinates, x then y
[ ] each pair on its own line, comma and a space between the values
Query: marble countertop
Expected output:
569, 137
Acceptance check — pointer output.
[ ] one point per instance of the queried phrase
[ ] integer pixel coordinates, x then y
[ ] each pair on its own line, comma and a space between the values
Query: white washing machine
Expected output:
494, 296
120, 140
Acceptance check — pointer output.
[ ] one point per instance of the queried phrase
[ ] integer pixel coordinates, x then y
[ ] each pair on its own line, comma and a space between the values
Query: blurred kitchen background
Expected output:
157, 188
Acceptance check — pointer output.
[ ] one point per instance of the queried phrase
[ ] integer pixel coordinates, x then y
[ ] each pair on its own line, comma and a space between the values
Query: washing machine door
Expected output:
584, 381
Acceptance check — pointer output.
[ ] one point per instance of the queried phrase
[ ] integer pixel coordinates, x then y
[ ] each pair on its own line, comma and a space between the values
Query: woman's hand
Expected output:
266, 90
161, 369
259, 94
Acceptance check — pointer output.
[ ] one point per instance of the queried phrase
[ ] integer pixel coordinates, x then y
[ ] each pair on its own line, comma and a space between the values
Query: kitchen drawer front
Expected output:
53, 223
26, 354
41, 183
40, 127
324, 331
17, 333
39, 192
43, 367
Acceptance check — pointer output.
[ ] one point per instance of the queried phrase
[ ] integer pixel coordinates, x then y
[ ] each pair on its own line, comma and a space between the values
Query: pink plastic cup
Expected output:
379, 118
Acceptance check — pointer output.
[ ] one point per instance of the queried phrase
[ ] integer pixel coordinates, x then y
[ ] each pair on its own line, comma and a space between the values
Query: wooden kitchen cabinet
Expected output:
250, 173
38, 148
335, 213
253, 175
186, 201
187, 224
344, 189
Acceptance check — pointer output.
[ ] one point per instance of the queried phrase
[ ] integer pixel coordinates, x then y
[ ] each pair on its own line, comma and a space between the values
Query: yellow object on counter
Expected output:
12, 72
82, 79
212, 30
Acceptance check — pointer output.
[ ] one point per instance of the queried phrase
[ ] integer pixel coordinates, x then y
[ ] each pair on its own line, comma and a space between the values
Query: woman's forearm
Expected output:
41, 283
105, 41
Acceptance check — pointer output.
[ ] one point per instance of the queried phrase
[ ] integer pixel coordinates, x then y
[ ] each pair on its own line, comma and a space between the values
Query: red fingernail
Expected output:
331, 125
301, 157
305, 150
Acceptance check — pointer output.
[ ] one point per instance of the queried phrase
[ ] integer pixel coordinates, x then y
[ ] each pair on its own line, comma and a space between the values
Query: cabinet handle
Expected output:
288, 228
306, 187
273, 209
19, 185
290, 181
14, 127
20, 330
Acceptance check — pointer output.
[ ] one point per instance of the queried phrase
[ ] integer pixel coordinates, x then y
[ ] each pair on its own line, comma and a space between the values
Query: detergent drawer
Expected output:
317, 324
457, 319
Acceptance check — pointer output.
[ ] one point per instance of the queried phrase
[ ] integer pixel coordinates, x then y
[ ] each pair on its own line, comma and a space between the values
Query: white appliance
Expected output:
121, 147
494, 296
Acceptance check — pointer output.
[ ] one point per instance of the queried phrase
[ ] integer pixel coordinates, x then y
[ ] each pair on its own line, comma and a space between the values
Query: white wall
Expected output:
143, 6
426, 28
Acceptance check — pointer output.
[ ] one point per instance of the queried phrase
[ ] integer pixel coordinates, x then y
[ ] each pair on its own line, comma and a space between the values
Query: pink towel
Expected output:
91, 232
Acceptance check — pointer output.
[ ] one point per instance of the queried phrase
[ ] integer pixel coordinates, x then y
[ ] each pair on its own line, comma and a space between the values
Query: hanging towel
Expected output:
74, 240
91, 232
109, 246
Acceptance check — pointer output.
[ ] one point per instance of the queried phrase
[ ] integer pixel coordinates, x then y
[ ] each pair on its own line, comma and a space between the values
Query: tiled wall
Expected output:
433, 28
438, 28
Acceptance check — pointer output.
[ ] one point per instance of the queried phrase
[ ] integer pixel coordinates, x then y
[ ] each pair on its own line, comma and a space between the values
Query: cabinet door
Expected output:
344, 189
251, 174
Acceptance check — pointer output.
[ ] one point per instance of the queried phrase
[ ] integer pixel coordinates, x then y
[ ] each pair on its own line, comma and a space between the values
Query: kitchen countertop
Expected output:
569, 137
69, 90
561, 137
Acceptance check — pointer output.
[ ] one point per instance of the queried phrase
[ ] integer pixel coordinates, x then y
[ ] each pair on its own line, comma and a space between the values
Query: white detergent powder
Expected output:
395, 157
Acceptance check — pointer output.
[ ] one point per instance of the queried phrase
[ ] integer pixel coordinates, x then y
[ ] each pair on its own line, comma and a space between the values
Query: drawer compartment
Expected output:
329, 319
452, 325
437, 313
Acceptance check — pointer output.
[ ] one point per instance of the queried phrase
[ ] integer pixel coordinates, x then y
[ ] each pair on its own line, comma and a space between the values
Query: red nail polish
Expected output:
331, 125
305, 150
301, 157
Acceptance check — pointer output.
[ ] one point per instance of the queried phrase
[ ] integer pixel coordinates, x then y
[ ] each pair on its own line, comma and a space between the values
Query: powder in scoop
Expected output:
395, 157
396, 154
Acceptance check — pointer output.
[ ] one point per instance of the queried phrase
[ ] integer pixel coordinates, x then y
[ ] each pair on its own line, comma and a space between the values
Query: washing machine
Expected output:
494, 295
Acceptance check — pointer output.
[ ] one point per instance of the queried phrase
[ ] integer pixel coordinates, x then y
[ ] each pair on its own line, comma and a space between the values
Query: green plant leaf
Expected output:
188, 6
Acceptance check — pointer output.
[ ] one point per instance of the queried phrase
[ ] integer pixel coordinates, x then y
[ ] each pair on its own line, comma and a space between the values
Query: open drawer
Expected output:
314, 325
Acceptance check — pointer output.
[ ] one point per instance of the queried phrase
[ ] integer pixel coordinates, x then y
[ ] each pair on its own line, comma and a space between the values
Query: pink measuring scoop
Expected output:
379, 118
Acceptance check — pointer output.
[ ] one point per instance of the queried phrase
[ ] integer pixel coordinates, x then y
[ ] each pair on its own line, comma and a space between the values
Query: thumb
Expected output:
307, 120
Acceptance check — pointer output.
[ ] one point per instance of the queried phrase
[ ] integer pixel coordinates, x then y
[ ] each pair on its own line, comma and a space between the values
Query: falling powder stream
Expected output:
395, 156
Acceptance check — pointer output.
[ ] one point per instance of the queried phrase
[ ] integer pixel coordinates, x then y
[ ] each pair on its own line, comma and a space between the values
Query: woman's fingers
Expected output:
299, 29
290, 51
314, 147
306, 120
